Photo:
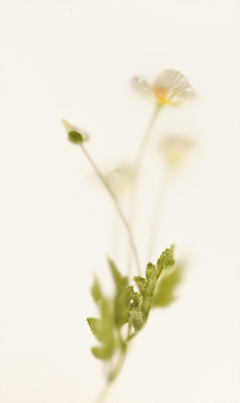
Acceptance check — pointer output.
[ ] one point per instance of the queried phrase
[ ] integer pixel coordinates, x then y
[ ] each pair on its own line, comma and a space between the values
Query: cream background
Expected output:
74, 60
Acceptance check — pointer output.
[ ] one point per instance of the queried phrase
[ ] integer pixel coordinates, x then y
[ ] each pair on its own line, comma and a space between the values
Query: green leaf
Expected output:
104, 327
136, 300
123, 296
102, 353
166, 259
96, 328
164, 291
136, 318
121, 305
96, 291
119, 280
135, 312
151, 276
142, 284
107, 321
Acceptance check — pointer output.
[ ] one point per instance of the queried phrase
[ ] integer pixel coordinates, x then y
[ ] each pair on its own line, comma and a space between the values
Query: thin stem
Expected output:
118, 367
112, 377
114, 373
137, 169
160, 199
145, 139
124, 220
105, 392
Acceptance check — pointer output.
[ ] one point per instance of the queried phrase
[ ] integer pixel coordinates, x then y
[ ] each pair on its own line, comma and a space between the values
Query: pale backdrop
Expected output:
74, 60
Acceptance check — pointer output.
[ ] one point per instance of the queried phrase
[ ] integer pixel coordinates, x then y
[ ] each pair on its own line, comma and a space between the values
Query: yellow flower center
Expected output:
161, 94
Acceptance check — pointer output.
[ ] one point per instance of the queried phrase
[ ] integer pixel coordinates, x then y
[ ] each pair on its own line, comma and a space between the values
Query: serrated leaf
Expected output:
96, 291
95, 326
166, 259
142, 284
164, 291
136, 300
104, 327
120, 281
103, 352
136, 318
121, 305
135, 312
107, 322
151, 276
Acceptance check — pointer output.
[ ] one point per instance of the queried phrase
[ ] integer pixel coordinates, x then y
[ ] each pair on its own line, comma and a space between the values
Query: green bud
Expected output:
75, 137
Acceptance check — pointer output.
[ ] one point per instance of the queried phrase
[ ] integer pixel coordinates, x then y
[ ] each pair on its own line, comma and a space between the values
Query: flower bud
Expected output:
73, 133
75, 137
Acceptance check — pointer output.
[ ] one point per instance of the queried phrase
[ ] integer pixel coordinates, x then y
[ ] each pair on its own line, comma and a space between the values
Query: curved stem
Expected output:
145, 138
104, 392
118, 367
160, 199
137, 169
114, 373
124, 220
112, 377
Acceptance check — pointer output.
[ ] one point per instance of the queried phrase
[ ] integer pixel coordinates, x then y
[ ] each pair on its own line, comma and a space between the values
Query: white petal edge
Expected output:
142, 87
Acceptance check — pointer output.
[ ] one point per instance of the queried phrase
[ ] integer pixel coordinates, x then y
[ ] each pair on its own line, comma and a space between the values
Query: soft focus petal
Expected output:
67, 126
173, 87
175, 148
119, 179
143, 87
168, 78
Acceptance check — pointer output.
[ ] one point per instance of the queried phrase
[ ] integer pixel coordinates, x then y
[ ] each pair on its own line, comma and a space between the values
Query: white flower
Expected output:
174, 148
171, 87
119, 179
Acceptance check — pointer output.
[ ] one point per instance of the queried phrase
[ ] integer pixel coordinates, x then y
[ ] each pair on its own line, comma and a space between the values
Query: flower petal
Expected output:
175, 86
168, 78
143, 87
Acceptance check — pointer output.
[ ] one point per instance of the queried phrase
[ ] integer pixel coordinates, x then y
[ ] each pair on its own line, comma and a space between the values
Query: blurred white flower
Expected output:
119, 179
171, 87
69, 128
174, 148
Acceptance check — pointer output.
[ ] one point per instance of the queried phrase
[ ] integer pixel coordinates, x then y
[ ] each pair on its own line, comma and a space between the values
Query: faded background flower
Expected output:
119, 179
175, 148
75, 59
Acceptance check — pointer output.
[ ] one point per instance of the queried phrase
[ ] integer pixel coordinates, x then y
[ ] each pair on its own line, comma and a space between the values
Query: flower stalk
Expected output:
139, 158
128, 307
117, 205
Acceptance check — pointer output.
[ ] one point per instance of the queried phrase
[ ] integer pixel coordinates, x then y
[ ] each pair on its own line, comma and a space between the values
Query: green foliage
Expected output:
96, 328
151, 276
96, 291
103, 328
119, 280
121, 305
122, 297
102, 353
164, 292
142, 285
129, 306
75, 137
135, 313
143, 301
166, 259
